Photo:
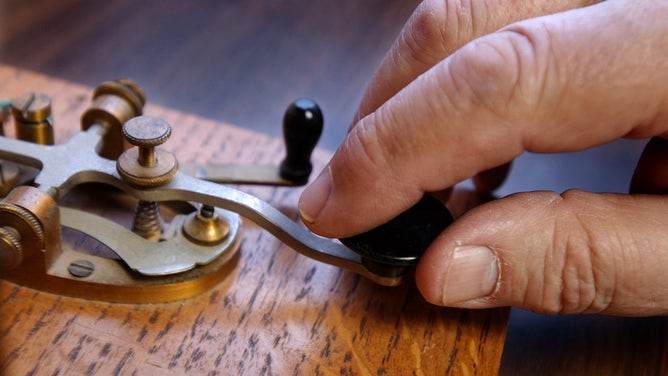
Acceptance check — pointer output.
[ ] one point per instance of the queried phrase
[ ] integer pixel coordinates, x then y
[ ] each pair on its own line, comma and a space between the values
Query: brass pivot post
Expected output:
114, 103
32, 118
206, 227
147, 166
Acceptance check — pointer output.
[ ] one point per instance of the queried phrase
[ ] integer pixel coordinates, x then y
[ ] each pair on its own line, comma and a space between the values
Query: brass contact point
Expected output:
205, 227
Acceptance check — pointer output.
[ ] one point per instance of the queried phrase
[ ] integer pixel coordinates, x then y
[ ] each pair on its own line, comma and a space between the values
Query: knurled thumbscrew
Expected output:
11, 250
146, 133
147, 165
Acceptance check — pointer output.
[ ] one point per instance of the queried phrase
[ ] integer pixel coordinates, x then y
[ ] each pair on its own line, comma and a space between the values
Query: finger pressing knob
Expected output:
394, 247
146, 165
302, 126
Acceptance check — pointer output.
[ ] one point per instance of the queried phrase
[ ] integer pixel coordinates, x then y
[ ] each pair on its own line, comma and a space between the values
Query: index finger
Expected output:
438, 28
549, 84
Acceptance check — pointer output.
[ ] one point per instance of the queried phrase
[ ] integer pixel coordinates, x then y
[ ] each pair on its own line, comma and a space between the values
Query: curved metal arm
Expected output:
76, 162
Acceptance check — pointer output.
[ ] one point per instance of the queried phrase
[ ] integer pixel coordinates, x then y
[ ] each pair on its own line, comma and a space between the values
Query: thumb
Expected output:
578, 252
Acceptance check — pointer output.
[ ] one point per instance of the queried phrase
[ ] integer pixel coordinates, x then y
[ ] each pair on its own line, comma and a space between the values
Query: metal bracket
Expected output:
173, 265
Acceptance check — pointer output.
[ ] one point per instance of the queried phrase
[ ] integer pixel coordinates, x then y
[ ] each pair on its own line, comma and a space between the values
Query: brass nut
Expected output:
161, 173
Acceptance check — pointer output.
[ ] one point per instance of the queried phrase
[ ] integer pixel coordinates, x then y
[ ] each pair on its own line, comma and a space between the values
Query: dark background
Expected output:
242, 62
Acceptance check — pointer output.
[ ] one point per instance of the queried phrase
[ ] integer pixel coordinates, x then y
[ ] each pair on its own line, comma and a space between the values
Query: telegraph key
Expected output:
157, 259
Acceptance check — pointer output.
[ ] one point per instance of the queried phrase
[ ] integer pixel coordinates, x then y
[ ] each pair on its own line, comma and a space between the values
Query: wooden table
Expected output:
276, 313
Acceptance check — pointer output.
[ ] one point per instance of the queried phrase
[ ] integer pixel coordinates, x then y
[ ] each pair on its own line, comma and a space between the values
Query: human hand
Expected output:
469, 86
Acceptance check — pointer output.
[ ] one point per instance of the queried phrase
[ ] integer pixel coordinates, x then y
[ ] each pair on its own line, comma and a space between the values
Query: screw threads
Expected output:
147, 222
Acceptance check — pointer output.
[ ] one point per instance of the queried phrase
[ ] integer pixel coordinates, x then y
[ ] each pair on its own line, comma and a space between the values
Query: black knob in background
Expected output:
302, 126
393, 248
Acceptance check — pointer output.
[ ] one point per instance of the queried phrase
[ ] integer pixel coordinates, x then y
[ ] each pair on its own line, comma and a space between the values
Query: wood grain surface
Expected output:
277, 312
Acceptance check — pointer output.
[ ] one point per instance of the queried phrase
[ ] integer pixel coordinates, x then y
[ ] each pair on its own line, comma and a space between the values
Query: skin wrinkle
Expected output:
606, 296
368, 138
399, 152
530, 285
534, 53
363, 139
595, 293
365, 143
420, 44
583, 284
520, 62
596, 244
553, 257
620, 238
477, 75
629, 256
410, 54
464, 14
562, 287
632, 250
457, 74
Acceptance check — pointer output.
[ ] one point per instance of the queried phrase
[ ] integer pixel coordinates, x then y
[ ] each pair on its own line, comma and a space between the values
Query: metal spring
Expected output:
147, 221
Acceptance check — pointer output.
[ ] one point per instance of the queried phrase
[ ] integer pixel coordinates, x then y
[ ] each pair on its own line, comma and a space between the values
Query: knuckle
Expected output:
421, 39
577, 276
435, 30
363, 146
506, 70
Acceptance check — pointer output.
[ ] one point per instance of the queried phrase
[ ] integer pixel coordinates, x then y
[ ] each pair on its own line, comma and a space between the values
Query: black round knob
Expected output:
393, 248
302, 126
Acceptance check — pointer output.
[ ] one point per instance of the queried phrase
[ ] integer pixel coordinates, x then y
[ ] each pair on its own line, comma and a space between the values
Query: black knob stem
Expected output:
302, 126
393, 248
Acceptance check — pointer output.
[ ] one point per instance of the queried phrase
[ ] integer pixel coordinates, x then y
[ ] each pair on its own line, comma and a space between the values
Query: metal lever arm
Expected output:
75, 162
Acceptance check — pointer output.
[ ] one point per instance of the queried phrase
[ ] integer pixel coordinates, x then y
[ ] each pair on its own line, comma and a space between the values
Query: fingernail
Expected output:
473, 272
315, 196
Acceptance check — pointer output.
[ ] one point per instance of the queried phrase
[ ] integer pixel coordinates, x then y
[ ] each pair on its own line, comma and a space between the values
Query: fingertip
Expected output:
428, 278
315, 197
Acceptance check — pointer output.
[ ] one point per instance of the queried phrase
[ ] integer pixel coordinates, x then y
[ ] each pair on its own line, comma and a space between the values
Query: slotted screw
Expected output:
81, 268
